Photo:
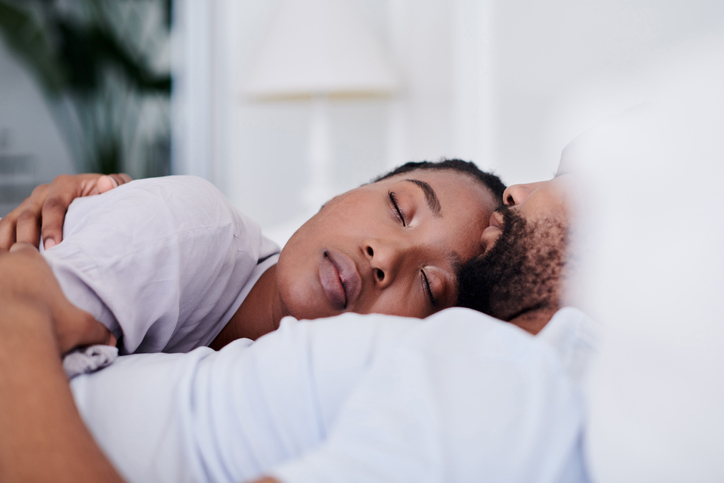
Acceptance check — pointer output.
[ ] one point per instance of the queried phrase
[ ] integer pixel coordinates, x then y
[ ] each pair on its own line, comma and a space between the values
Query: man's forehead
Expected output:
562, 182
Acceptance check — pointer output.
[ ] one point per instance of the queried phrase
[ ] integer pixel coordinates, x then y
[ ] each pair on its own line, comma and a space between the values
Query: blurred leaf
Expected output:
168, 13
81, 56
29, 41
108, 49
91, 71
109, 156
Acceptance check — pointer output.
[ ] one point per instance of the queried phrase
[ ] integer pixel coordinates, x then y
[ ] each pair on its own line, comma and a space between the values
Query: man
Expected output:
449, 399
518, 277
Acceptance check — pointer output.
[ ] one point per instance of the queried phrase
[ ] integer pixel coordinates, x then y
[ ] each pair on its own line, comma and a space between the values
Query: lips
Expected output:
341, 282
497, 219
493, 231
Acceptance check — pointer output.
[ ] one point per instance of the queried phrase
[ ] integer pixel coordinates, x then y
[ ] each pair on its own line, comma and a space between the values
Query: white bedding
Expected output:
351, 398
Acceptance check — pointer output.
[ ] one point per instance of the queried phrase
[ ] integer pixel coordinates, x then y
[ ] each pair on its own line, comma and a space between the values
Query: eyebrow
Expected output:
430, 196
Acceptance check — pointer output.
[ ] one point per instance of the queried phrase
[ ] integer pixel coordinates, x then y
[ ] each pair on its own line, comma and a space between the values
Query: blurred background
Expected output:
282, 103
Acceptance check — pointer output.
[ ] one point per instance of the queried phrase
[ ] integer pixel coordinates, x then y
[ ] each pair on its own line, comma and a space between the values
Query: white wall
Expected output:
504, 83
256, 152
561, 65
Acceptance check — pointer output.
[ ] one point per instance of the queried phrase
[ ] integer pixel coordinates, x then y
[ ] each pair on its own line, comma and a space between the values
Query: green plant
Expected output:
97, 62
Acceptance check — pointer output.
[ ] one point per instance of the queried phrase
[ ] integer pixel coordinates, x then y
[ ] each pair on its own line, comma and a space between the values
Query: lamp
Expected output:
317, 50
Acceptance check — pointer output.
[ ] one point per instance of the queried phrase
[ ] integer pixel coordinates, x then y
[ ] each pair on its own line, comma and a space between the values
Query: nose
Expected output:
516, 194
385, 258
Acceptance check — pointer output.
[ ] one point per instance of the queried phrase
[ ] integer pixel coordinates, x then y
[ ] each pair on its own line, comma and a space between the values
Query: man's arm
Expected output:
463, 395
42, 436
44, 210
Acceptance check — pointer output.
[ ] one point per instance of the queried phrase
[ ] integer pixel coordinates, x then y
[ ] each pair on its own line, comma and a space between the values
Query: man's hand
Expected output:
42, 436
44, 210
26, 277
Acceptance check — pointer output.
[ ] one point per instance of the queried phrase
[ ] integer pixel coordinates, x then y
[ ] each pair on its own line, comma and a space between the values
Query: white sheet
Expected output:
446, 399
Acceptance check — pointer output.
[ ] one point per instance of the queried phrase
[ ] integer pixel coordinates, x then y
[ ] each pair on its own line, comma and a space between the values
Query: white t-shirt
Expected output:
163, 262
457, 397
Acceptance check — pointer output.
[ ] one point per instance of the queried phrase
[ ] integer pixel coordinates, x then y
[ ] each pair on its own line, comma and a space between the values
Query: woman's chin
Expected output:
308, 308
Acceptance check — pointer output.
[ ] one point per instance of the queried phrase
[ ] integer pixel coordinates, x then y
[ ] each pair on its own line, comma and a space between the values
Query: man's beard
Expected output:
521, 273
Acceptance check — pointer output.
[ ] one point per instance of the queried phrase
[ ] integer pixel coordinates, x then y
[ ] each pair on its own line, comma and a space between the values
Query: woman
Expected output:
168, 265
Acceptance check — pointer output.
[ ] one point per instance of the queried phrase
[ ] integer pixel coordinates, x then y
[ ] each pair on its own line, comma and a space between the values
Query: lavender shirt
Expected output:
164, 263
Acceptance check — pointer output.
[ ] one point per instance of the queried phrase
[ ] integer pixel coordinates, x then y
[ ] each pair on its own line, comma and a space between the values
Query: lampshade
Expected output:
319, 47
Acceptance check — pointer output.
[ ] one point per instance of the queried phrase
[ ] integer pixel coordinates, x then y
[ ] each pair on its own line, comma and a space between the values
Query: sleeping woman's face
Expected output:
390, 247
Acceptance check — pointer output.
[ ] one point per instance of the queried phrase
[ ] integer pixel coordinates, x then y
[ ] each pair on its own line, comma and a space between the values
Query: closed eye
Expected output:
428, 288
398, 212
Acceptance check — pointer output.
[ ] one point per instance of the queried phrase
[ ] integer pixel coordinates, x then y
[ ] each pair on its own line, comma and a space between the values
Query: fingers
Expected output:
7, 232
53, 216
61, 194
44, 210
22, 247
108, 182
23, 223
28, 228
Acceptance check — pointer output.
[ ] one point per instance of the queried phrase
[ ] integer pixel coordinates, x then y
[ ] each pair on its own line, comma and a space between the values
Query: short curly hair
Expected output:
489, 180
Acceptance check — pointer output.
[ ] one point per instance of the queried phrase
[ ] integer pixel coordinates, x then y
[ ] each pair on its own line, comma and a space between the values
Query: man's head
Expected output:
393, 246
519, 276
